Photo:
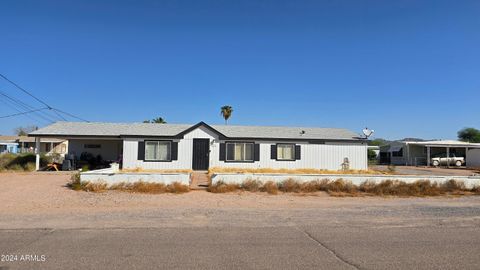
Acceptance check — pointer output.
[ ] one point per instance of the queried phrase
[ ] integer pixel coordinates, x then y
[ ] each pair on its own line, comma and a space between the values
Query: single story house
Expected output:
419, 153
8, 146
201, 146
25, 144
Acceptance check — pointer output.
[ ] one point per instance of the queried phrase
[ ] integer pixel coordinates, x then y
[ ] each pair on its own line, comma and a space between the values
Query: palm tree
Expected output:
226, 112
158, 120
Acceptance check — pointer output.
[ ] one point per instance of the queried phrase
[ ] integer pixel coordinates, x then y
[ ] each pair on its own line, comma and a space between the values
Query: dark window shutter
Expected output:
298, 152
174, 150
273, 151
141, 151
256, 152
223, 151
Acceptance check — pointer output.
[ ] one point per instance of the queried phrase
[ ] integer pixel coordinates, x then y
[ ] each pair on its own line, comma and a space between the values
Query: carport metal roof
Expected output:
446, 143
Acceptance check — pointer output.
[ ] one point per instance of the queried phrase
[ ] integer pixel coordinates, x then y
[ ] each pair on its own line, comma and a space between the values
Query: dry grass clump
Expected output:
270, 187
419, 188
251, 185
136, 187
222, 187
177, 188
342, 188
289, 185
291, 171
95, 187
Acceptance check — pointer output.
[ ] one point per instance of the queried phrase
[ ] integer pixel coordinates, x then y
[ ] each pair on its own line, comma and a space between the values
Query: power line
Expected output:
56, 111
25, 106
25, 91
21, 113
71, 115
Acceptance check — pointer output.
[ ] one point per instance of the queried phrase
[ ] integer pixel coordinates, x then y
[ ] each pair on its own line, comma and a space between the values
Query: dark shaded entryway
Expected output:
201, 153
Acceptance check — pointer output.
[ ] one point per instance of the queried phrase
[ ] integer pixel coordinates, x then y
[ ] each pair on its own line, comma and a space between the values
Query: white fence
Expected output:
470, 181
110, 177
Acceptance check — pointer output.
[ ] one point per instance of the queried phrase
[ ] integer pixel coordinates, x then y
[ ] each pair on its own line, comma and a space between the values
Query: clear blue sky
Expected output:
403, 68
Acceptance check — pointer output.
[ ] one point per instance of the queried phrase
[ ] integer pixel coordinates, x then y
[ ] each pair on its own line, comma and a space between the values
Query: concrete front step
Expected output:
200, 180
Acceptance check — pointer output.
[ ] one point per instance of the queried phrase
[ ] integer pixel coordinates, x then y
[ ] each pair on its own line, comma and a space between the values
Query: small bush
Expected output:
178, 188
290, 185
136, 187
75, 182
270, 187
21, 162
452, 186
222, 187
251, 185
144, 187
95, 187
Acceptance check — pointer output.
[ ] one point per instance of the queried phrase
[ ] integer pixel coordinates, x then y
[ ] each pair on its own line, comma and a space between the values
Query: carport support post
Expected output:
37, 153
428, 156
448, 156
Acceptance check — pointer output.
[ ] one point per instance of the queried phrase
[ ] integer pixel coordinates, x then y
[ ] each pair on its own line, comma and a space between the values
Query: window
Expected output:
285, 151
239, 151
157, 150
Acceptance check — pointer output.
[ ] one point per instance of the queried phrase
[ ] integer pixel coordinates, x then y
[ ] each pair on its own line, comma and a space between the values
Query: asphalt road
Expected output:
318, 247
53, 227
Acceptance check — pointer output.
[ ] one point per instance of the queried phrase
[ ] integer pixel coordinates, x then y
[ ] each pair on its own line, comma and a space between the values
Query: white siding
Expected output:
313, 156
185, 152
328, 156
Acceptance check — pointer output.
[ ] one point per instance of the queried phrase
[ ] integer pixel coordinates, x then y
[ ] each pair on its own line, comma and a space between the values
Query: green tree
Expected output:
469, 135
158, 120
226, 112
371, 155
378, 142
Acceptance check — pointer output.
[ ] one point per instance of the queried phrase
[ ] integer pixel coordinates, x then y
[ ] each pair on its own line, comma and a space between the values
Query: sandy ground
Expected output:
201, 230
37, 200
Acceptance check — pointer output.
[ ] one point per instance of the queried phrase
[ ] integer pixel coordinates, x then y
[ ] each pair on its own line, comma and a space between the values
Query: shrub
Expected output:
270, 187
251, 185
21, 162
95, 187
452, 186
290, 185
177, 188
137, 187
75, 182
222, 187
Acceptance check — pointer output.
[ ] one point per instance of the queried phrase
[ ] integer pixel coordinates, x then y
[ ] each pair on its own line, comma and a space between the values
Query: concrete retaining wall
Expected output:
470, 181
110, 177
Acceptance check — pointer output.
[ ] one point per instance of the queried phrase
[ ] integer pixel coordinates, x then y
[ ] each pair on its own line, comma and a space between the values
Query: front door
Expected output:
201, 152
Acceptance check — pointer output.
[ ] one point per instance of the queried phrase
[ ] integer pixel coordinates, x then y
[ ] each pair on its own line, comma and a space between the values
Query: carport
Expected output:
423, 149
107, 148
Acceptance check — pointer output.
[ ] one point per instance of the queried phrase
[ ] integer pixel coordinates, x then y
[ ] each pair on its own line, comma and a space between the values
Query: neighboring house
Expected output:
201, 146
419, 153
8, 146
25, 144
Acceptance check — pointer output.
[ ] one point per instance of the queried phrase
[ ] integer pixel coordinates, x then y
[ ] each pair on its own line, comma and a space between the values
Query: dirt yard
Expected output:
117, 230
43, 200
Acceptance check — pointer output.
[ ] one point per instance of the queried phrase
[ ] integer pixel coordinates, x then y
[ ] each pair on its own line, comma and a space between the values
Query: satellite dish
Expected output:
368, 132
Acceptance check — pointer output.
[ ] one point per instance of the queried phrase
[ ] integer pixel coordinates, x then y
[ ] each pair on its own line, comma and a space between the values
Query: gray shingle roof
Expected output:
169, 130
